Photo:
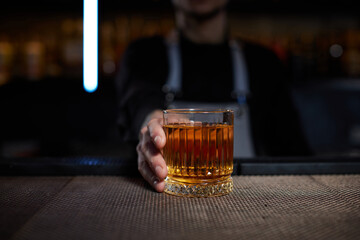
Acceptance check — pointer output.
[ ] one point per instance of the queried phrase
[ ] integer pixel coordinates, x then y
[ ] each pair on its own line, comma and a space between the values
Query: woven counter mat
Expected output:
260, 207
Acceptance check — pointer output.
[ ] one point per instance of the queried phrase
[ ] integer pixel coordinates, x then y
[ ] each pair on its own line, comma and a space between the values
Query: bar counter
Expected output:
123, 206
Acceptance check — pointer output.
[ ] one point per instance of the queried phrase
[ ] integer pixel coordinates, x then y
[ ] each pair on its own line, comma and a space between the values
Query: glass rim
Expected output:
197, 110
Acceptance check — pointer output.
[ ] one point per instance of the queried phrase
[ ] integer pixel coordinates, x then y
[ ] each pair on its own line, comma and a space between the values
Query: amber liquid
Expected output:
198, 154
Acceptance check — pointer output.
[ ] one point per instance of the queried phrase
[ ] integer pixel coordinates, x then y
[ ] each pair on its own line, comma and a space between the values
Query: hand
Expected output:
151, 163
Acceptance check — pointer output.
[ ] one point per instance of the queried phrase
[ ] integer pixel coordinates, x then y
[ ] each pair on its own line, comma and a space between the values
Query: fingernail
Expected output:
157, 139
156, 181
158, 170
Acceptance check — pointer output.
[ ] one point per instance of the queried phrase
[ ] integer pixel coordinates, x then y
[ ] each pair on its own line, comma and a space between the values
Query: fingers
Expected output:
156, 132
151, 163
148, 174
153, 157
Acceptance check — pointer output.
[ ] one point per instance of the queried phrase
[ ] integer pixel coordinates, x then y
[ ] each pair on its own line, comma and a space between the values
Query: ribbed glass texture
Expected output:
198, 152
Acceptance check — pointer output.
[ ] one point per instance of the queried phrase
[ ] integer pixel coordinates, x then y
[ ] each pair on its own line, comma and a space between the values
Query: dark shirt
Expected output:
207, 76
207, 71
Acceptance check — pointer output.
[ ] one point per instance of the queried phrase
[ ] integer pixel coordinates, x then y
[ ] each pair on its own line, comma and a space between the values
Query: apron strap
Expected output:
174, 81
241, 87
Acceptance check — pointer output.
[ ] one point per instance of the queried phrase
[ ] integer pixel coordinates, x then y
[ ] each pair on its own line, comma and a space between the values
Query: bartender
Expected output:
200, 65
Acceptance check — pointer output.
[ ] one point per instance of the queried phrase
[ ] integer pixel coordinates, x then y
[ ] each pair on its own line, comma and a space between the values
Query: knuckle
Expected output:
141, 166
143, 147
138, 147
153, 125
152, 121
143, 130
150, 148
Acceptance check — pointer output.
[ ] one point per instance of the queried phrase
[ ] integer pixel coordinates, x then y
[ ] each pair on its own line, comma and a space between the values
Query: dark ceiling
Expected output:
241, 6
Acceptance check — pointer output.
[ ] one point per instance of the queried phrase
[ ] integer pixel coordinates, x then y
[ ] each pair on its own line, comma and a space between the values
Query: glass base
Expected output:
211, 189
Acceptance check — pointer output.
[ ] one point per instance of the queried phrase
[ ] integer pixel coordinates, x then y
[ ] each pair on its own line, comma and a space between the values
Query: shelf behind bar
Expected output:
73, 166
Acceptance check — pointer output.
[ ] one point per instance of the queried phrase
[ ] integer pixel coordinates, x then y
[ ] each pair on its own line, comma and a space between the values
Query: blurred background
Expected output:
44, 110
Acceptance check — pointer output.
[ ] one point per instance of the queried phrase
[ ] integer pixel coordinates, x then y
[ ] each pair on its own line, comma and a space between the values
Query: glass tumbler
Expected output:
198, 152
